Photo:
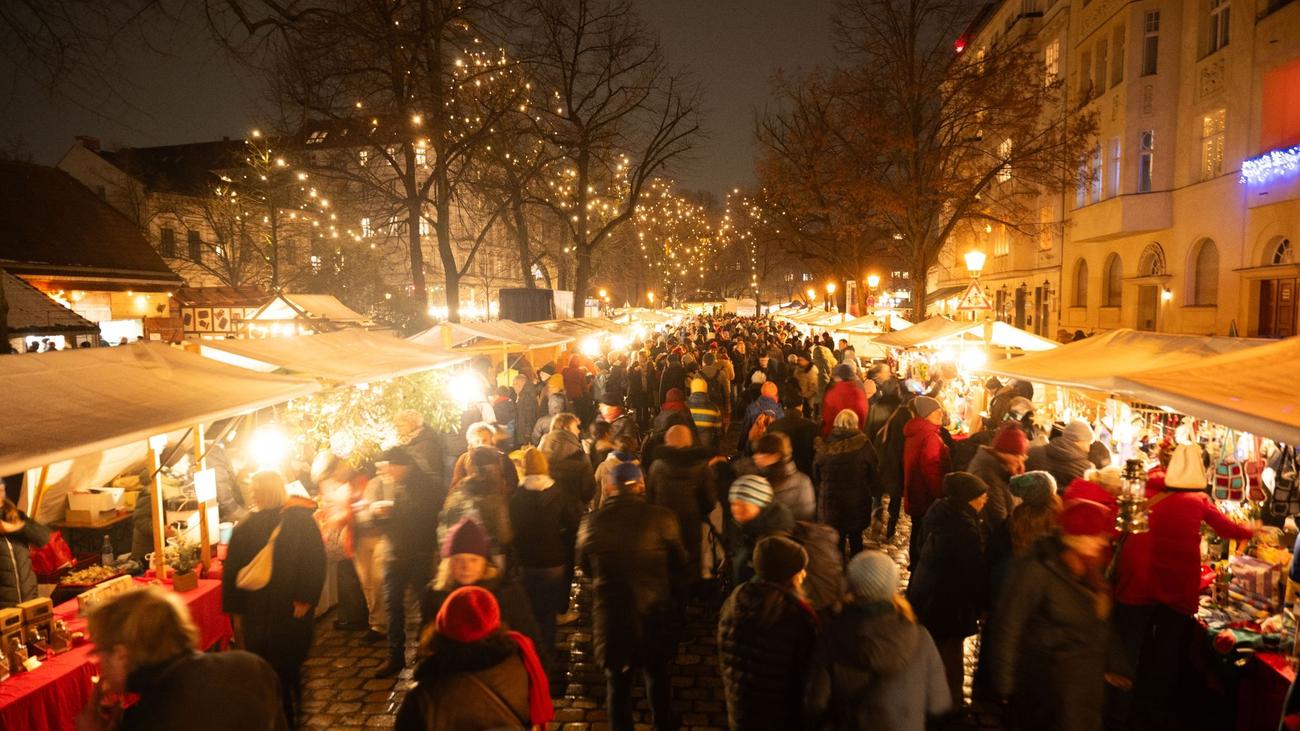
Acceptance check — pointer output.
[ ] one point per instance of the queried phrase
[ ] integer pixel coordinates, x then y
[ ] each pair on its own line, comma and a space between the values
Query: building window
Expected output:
1052, 62
420, 156
1212, 127
315, 264
363, 156
167, 241
1117, 62
1152, 261
1282, 253
290, 252
1146, 159
1080, 294
1112, 179
807, 277
1205, 274
1099, 75
1151, 42
1085, 76
1001, 241
1004, 153
1094, 173
1112, 282
1216, 25
195, 245
425, 229
366, 229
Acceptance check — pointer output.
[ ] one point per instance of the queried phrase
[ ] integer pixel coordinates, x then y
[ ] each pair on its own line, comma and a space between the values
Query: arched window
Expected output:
1152, 261
1112, 285
1282, 253
1204, 268
1080, 296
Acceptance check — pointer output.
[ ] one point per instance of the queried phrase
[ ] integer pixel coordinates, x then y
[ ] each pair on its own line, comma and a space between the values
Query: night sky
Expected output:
186, 90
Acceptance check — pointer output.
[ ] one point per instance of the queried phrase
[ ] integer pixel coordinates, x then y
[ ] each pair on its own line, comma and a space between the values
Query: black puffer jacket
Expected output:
742, 538
206, 691
845, 476
17, 579
681, 481
545, 523
876, 670
1066, 460
766, 639
633, 552
949, 587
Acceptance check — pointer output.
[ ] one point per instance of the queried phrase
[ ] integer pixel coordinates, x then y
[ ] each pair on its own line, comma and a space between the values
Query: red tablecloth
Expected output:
1262, 691
50, 698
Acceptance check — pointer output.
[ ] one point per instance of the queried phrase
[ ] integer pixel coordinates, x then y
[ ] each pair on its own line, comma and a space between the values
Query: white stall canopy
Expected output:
487, 335
938, 331
346, 356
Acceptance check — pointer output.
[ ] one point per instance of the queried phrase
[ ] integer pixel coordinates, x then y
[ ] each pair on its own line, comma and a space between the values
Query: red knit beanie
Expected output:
467, 536
1011, 439
469, 614
1085, 518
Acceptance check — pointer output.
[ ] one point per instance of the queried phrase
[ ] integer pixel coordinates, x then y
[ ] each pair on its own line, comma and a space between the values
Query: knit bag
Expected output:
1229, 479
1286, 483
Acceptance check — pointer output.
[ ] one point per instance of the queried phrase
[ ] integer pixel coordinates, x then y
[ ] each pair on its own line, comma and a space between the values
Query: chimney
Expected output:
90, 143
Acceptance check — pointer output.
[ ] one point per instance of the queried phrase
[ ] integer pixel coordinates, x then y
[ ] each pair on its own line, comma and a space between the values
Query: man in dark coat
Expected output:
421, 443
845, 476
634, 554
801, 431
620, 423
18, 533
527, 409
569, 465
680, 480
1065, 457
888, 397
674, 376
767, 633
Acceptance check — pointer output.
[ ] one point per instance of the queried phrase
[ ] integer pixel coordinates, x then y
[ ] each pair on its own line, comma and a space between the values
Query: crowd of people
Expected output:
739, 464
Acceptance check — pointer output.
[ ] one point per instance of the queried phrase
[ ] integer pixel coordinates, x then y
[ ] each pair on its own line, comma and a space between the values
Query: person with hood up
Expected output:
545, 521
480, 496
634, 555
681, 481
277, 620
753, 513
766, 636
556, 404
18, 534
1003, 396
824, 358
766, 403
845, 475
925, 463
705, 414
673, 377
875, 667
846, 393
775, 460
476, 675
949, 586
576, 387
569, 465
1051, 650
1066, 456
996, 464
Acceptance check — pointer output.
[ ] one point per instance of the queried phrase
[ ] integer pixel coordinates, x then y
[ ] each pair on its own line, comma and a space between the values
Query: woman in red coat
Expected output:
1157, 584
925, 462
846, 393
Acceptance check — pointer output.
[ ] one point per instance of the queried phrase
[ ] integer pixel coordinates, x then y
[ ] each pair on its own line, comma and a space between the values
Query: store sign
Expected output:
974, 299
1270, 166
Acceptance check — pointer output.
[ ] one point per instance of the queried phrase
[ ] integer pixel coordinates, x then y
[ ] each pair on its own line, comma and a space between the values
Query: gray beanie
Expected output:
1078, 431
1034, 488
924, 406
872, 576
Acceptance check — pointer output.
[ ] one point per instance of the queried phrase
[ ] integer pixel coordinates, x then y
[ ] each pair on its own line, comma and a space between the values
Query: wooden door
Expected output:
1148, 307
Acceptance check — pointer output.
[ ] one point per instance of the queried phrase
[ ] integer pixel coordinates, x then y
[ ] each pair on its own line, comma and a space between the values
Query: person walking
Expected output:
765, 406
845, 475
766, 636
801, 431
876, 667
705, 414
275, 619
481, 496
753, 513
890, 443
476, 674
847, 392
925, 463
633, 552
680, 480
996, 464
568, 463
774, 459
18, 534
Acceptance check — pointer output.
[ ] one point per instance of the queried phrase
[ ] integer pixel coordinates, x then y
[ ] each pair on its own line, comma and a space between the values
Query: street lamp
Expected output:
603, 294
650, 296
811, 294
830, 293
873, 281
975, 262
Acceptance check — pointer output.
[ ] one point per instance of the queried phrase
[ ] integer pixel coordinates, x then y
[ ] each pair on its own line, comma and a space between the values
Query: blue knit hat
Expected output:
752, 489
872, 576
627, 473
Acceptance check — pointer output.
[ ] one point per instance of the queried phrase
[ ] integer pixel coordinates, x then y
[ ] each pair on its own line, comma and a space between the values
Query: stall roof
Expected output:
1252, 389
580, 326
872, 323
347, 356
1098, 363
499, 332
76, 402
938, 330
935, 328
31, 312
641, 314
310, 306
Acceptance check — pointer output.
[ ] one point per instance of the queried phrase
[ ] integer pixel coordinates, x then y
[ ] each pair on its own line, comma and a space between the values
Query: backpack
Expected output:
761, 423
1286, 483
824, 584
716, 394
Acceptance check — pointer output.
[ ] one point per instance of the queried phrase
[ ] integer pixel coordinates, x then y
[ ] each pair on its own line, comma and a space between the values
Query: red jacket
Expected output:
840, 396
1163, 565
575, 381
925, 462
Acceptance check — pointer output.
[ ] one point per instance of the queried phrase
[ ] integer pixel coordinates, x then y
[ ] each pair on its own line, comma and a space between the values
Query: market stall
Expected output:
497, 340
344, 357
300, 314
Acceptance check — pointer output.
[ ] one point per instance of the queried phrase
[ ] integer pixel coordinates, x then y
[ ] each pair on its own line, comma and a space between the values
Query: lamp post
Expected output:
830, 294
873, 281
651, 297
811, 294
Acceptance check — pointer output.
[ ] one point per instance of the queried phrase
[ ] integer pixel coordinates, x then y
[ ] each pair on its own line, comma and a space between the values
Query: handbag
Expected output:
257, 573
1286, 483
1229, 479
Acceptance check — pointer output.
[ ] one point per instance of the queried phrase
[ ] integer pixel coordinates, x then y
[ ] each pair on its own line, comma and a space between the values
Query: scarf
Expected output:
540, 709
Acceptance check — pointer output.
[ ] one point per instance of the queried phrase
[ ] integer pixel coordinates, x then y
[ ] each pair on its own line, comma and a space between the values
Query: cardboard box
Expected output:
1255, 578
95, 500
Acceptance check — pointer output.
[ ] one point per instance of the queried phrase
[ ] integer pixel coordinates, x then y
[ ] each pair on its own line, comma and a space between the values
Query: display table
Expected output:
50, 698
1262, 691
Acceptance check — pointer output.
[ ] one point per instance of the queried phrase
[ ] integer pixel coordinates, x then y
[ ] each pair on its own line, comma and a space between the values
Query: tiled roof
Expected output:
182, 169
31, 312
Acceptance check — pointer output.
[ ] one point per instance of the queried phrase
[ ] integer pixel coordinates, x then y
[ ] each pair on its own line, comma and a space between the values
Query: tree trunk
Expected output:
580, 278
920, 278
4, 317
450, 270
521, 239
415, 247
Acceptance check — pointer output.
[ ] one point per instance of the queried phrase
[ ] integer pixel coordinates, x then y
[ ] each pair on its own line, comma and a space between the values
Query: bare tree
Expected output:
611, 110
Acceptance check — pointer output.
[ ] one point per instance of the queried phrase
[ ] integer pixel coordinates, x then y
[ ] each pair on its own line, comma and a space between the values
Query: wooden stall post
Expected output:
205, 536
157, 444
42, 485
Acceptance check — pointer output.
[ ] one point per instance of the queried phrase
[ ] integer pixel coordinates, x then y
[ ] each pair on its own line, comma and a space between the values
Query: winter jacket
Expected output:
1063, 458
760, 405
556, 404
793, 489
516, 609
206, 691
1163, 565
889, 443
845, 475
824, 358
807, 379
544, 521
633, 552
681, 481
674, 376
1048, 648
823, 585
925, 462
575, 379
569, 465
623, 426
802, 433
17, 579
480, 499
707, 418
766, 637
889, 396
527, 410
840, 396
949, 585
509, 473
876, 670
482, 686
426, 449
987, 466
964, 450
741, 538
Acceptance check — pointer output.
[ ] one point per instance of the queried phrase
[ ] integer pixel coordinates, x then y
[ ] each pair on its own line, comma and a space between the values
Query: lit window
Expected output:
1052, 61
315, 263
1146, 159
1150, 42
1001, 241
1099, 74
425, 229
420, 156
1094, 171
1282, 253
1217, 25
807, 277
1112, 180
1004, 154
363, 156
317, 137
1212, 133
366, 229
